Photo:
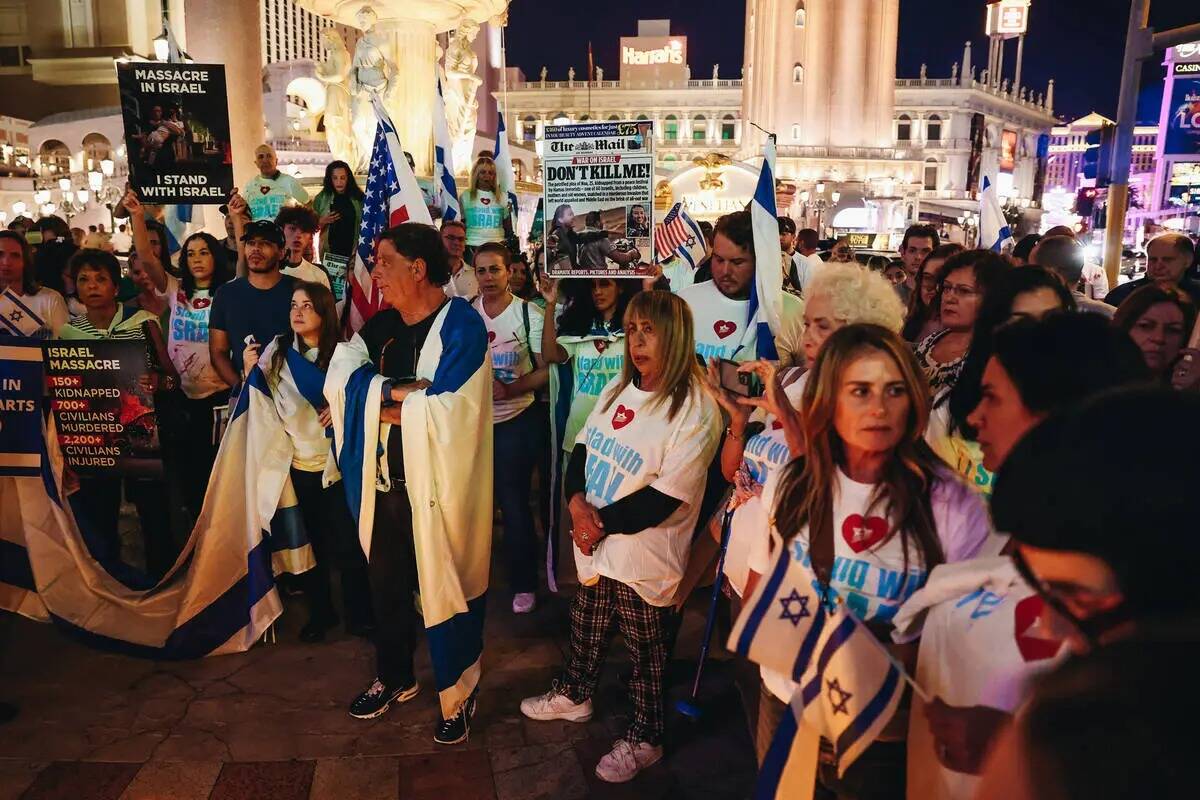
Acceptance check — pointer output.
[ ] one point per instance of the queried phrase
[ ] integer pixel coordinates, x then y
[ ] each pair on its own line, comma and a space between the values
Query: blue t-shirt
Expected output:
239, 309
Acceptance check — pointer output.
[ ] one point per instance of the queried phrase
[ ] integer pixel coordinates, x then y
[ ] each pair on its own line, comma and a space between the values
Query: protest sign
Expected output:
105, 418
21, 389
599, 181
336, 266
176, 131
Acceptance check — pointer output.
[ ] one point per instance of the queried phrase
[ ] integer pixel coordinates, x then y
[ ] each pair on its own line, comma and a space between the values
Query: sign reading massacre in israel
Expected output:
177, 131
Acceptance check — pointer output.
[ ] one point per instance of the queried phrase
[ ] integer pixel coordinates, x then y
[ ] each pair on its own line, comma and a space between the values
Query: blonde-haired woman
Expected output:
765, 433
871, 496
634, 486
485, 212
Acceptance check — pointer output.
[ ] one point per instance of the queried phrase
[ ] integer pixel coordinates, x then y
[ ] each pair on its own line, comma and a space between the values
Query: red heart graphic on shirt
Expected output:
486, 201
201, 302
724, 327
265, 189
863, 534
776, 425
1033, 640
622, 417
491, 336
601, 345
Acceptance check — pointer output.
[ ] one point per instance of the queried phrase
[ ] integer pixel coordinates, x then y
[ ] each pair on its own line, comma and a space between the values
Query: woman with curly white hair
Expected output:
764, 433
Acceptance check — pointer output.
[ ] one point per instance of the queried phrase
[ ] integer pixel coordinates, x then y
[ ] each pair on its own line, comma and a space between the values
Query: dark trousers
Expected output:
333, 535
880, 773
100, 501
393, 572
517, 446
595, 612
198, 451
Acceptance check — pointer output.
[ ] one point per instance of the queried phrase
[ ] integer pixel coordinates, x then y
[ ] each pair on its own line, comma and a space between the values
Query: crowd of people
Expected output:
946, 422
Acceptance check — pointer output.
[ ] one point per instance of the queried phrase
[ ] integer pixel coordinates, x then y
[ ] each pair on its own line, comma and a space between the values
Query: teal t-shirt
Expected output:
484, 216
595, 360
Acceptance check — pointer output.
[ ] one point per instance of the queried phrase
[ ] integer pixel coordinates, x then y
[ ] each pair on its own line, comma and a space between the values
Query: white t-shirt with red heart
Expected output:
982, 641
631, 443
721, 325
512, 350
869, 574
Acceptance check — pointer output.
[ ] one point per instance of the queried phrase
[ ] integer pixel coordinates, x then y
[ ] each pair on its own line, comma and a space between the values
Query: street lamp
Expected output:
64, 184
107, 166
82, 196
162, 45
19, 209
41, 197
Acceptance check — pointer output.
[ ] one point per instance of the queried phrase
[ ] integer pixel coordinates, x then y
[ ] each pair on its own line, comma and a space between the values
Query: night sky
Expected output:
1079, 43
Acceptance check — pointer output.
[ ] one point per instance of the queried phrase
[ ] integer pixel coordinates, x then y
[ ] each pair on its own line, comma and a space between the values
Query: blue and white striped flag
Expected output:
443, 162
848, 685
766, 293
994, 233
177, 219
506, 179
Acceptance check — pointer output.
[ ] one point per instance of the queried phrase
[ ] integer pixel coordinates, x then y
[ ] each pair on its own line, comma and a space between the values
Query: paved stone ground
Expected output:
272, 723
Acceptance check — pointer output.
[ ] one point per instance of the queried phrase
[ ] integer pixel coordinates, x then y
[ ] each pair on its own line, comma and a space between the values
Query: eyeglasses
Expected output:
959, 290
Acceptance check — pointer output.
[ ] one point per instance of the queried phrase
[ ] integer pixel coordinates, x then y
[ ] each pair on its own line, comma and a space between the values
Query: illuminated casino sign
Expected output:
1007, 18
654, 59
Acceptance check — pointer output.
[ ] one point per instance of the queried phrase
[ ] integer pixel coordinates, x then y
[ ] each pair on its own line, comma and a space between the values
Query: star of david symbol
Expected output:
800, 613
838, 697
16, 316
691, 241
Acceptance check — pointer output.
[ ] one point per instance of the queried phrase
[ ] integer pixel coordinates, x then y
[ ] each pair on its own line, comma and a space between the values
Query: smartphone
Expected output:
745, 384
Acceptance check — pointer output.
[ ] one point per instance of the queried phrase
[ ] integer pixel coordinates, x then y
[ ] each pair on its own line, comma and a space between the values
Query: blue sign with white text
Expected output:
21, 391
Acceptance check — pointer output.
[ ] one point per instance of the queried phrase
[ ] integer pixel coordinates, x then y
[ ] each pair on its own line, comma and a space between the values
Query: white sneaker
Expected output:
524, 602
554, 705
626, 760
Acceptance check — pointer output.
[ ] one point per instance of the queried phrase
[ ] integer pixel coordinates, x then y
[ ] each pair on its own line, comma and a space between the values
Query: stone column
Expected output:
414, 89
227, 32
737, 132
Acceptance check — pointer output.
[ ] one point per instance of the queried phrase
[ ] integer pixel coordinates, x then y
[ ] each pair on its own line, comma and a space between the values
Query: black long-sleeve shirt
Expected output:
634, 513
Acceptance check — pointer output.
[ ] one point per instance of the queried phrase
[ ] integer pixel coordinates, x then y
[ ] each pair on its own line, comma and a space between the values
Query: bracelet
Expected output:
729, 432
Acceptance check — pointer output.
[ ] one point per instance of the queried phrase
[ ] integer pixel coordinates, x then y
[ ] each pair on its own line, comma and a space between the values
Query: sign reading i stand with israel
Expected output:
20, 406
994, 233
848, 685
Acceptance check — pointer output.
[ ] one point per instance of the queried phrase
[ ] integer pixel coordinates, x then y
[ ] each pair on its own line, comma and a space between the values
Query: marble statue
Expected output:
371, 75
570, 76
716, 71
954, 72
923, 72
334, 72
599, 73
459, 86
543, 76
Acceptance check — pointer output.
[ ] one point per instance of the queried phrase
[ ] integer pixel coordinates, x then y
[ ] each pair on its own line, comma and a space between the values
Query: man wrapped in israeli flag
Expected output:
411, 400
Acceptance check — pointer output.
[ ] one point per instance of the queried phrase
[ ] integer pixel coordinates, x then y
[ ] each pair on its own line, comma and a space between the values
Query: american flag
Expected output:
392, 197
678, 234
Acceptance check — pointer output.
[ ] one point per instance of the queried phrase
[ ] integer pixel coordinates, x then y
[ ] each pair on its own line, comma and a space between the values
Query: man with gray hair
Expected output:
1064, 256
1168, 258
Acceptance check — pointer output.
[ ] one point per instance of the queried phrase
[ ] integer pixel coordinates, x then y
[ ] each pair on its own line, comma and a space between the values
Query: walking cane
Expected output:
690, 708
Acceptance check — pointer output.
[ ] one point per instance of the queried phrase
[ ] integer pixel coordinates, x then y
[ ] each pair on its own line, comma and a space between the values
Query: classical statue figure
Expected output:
543, 75
371, 76
334, 72
459, 85
599, 73
716, 71
570, 76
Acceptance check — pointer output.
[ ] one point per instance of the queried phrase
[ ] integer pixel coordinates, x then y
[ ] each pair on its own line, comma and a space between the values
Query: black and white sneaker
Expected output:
457, 729
376, 700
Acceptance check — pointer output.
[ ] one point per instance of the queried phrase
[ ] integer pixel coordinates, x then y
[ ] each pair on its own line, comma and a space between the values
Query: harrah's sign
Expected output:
671, 54
655, 59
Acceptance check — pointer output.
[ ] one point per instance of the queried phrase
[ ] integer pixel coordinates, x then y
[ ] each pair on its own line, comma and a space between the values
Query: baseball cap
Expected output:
263, 229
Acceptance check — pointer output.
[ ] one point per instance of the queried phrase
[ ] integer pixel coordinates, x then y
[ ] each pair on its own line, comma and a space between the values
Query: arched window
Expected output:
672, 128
931, 174
642, 117
561, 118
528, 129
96, 148
699, 128
584, 118
795, 133
933, 128
727, 128
798, 73
55, 157
613, 116
801, 14
904, 128
670, 157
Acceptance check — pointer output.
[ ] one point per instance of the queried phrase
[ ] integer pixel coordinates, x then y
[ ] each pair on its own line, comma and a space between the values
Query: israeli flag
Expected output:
177, 219
443, 166
994, 233
506, 179
848, 684
766, 293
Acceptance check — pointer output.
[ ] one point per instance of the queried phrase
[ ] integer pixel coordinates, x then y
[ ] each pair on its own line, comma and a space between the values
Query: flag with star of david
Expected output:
392, 196
847, 684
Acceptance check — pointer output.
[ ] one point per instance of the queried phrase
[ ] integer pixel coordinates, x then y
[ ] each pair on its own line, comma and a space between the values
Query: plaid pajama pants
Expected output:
595, 610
